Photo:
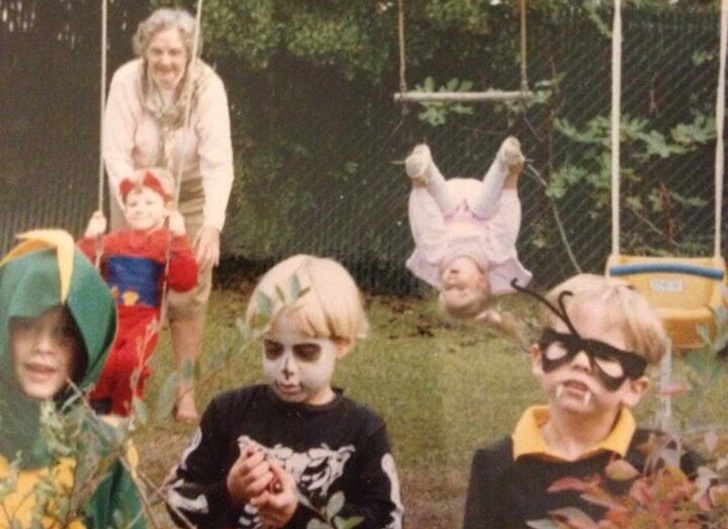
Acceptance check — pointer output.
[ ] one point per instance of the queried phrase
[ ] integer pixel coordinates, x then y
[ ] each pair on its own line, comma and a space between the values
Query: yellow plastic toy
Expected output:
683, 290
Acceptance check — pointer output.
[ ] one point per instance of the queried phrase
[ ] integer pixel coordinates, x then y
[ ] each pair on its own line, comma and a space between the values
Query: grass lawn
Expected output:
444, 389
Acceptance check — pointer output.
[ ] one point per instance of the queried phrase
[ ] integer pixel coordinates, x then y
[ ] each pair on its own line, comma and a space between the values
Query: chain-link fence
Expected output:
319, 158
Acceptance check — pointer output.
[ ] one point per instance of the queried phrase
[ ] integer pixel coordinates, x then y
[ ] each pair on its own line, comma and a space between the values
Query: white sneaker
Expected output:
418, 162
510, 153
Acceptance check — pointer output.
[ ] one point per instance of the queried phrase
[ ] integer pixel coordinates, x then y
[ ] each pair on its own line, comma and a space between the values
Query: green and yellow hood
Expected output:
45, 270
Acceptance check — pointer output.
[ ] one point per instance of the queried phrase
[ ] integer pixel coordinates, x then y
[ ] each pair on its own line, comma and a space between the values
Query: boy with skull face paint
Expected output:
599, 337
260, 449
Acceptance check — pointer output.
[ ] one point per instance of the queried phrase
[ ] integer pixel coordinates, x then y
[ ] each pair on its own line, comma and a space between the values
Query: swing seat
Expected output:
684, 291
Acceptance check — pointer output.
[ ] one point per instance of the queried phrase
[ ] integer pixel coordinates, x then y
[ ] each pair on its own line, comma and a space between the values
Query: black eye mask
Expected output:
633, 365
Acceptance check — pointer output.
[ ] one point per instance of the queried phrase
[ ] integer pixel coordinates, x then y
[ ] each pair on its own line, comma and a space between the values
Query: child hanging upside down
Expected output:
465, 231
133, 262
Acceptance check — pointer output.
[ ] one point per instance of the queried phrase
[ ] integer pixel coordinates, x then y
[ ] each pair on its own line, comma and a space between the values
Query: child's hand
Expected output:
96, 226
177, 224
506, 323
277, 504
249, 476
491, 317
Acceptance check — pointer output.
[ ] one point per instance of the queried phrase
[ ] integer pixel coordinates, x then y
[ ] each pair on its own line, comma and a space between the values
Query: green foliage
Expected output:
468, 16
643, 150
435, 113
662, 497
353, 37
82, 451
329, 516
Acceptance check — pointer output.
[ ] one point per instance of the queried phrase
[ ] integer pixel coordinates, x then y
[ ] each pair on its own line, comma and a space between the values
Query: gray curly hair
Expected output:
162, 19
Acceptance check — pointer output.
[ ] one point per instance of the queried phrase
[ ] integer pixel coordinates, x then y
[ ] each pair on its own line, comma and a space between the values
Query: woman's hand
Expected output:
207, 247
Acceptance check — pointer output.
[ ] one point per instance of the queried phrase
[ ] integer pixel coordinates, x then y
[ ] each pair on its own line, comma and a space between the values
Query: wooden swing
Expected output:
488, 96
684, 290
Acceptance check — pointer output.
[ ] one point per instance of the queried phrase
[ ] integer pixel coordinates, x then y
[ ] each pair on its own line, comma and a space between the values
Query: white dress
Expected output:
490, 242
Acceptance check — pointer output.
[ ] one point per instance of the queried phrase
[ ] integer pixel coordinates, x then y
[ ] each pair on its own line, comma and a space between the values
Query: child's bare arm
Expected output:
183, 269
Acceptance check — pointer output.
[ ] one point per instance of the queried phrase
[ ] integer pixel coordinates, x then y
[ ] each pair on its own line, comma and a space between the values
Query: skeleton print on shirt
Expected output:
313, 470
328, 451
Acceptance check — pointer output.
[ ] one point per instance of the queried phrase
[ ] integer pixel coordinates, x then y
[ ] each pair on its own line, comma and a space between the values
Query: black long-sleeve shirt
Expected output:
504, 493
337, 447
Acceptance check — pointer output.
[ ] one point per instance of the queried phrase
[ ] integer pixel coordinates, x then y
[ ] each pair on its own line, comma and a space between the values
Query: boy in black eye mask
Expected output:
599, 337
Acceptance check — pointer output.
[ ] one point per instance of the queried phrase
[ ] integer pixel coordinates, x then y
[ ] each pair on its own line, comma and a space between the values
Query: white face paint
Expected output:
299, 368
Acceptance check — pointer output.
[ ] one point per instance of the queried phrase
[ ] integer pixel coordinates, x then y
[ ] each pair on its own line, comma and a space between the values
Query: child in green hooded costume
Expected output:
57, 322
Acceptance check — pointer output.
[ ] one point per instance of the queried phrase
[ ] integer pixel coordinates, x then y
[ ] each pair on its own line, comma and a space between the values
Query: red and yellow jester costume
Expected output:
133, 264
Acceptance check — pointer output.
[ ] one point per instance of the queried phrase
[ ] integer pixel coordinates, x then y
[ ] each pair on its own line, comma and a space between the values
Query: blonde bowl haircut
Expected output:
625, 309
163, 19
332, 306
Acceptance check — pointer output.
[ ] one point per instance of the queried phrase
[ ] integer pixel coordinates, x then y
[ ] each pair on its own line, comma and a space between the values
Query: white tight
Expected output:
482, 204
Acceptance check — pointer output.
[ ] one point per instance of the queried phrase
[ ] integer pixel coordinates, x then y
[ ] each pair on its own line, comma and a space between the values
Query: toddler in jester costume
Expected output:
137, 262
57, 323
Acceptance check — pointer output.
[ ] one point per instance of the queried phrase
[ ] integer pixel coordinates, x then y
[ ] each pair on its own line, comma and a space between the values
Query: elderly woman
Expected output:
144, 126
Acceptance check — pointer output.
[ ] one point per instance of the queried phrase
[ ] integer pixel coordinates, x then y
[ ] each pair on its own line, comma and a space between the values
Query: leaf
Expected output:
718, 495
303, 499
166, 396
140, 414
243, 328
347, 523
279, 293
711, 440
576, 518
640, 491
569, 483
315, 523
295, 287
674, 389
656, 144
264, 304
542, 524
601, 497
260, 321
334, 505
